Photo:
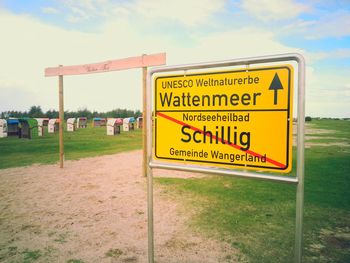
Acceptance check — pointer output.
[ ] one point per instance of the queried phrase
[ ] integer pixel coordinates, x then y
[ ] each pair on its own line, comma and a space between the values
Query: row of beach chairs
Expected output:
30, 127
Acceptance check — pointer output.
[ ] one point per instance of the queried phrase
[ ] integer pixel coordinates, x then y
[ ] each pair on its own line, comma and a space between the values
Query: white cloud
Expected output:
189, 13
273, 10
340, 53
50, 10
245, 42
82, 10
327, 93
29, 46
334, 25
87, 5
77, 15
185, 12
47, 46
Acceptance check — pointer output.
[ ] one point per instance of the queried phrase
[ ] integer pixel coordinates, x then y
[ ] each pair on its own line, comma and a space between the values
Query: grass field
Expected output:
259, 217
81, 143
256, 217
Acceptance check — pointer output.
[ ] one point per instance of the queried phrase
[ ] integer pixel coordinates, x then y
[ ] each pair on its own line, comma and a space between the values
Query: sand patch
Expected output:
311, 134
95, 210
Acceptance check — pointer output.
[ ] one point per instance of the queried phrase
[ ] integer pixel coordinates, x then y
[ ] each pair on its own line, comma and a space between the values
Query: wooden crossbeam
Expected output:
110, 65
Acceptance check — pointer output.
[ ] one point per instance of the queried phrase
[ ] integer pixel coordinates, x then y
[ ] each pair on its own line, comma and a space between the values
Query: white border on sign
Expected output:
229, 63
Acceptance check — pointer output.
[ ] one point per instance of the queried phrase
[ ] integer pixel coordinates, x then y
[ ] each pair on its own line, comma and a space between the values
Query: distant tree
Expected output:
4, 115
123, 113
69, 114
52, 114
14, 114
83, 112
36, 112
138, 113
308, 118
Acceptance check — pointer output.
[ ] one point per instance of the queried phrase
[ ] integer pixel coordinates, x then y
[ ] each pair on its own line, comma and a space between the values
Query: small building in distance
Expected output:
53, 126
28, 128
98, 122
12, 127
71, 124
114, 126
42, 123
139, 123
129, 124
81, 122
3, 128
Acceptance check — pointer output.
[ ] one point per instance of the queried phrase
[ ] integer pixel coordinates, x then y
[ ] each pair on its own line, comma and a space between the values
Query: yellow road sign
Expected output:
233, 119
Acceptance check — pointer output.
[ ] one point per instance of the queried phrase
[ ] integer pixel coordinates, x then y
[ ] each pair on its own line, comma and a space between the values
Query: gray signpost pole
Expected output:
300, 161
149, 120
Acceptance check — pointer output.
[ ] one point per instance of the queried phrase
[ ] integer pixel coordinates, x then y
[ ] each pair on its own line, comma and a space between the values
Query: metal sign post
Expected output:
227, 122
149, 121
300, 161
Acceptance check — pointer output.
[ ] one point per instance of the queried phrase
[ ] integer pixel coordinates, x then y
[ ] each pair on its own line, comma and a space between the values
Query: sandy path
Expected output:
312, 134
94, 210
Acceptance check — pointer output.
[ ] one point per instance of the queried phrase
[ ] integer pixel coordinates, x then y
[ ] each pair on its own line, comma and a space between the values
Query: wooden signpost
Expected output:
143, 62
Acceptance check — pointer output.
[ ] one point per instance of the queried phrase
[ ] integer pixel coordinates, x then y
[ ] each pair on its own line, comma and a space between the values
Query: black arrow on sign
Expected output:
275, 86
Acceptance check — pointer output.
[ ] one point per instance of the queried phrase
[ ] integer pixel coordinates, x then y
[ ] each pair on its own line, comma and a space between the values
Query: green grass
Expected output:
75, 261
258, 217
31, 255
114, 253
79, 144
62, 238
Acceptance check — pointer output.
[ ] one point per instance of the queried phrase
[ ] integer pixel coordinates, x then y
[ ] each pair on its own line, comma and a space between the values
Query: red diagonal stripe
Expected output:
278, 164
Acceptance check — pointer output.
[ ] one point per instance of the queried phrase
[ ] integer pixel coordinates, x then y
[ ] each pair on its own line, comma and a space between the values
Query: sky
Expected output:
40, 34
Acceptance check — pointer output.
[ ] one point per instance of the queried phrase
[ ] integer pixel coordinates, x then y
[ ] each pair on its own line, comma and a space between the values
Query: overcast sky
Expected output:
46, 33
